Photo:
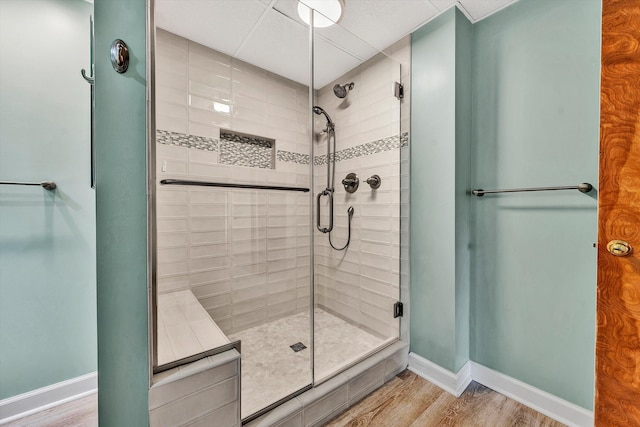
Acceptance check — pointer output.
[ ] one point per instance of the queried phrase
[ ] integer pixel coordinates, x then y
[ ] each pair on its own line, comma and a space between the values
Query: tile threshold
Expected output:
346, 389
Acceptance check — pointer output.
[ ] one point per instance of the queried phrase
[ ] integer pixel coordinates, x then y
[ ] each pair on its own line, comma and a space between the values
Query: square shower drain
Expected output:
298, 346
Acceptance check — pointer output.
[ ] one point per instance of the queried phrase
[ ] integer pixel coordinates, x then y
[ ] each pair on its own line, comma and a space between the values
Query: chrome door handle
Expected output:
329, 193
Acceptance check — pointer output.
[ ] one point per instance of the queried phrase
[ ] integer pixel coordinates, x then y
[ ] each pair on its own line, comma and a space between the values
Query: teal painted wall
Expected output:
536, 123
512, 101
121, 200
463, 159
47, 239
440, 129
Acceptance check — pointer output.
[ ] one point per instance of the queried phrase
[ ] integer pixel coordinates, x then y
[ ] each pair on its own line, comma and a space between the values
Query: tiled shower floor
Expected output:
271, 370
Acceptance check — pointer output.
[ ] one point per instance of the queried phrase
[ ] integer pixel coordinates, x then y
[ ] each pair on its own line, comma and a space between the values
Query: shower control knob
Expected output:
619, 248
351, 182
374, 182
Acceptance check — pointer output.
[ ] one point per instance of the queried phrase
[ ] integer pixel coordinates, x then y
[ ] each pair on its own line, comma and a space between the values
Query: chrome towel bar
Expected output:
231, 185
47, 185
583, 188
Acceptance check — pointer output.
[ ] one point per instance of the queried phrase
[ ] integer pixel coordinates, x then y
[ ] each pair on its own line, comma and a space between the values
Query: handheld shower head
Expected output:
341, 91
318, 110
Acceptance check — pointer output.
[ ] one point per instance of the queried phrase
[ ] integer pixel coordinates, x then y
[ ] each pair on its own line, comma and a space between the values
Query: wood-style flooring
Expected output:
405, 401
410, 401
77, 413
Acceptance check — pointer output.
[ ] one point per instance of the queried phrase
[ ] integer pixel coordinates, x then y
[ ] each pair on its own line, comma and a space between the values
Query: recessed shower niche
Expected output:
258, 247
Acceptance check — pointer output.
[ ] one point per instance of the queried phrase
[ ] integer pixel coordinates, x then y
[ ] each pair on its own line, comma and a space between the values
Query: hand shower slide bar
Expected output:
231, 185
583, 188
47, 185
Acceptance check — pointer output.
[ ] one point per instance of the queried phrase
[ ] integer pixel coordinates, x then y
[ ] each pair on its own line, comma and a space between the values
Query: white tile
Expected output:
249, 299
176, 111
171, 124
174, 268
208, 210
226, 416
168, 152
366, 382
207, 117
171, 225
172, 167
167, 240
208, 223
208, 237
196, 405
211, 263
207, 277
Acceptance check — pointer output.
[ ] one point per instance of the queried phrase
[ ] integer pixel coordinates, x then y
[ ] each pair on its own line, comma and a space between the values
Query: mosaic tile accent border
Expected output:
246, 139
189, 141
366, 149
404, 139
246, 150
292, 157
240, 150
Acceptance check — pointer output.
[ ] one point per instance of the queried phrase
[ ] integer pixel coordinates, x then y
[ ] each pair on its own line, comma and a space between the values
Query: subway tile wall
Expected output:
362, 283
245, 254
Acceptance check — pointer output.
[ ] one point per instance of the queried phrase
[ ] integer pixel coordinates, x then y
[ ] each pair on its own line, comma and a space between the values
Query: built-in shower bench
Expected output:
204, 392
184, 327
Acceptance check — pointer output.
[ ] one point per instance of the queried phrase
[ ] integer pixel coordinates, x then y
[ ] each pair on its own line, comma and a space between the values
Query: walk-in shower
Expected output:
247, 154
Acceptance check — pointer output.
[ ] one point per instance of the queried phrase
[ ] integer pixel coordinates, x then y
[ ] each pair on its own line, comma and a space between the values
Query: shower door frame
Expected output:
315, 211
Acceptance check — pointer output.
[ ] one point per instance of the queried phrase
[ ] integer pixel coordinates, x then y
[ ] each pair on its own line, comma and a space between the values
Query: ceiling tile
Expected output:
219, 24
382, 22
275, 39
330, 63
279, 44
347, 41
479, 9
443, 5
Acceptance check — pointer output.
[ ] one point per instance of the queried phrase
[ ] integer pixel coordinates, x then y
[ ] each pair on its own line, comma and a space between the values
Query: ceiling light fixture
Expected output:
329, 12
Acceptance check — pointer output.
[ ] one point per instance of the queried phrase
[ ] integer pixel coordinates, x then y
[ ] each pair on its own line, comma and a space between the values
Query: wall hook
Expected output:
90, 79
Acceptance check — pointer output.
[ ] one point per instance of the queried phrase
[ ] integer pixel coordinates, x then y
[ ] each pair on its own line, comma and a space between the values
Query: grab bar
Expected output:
585, 187
329, 193
47, 185
230, 185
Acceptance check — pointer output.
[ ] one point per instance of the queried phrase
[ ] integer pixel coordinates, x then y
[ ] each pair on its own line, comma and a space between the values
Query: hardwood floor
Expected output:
77, 413
405, 401
410, 401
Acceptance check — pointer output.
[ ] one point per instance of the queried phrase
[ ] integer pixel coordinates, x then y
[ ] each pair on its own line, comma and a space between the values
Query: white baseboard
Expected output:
38, 400
452, 383
541, 401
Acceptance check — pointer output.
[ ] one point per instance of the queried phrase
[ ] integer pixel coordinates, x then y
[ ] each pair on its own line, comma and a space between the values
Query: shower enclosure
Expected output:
277, 195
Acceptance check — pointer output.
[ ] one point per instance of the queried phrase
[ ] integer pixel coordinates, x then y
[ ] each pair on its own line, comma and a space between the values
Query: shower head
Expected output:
341, 91
319, 111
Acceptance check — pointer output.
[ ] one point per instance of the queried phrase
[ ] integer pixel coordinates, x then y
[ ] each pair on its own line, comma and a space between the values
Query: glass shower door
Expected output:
357, 264
233, 210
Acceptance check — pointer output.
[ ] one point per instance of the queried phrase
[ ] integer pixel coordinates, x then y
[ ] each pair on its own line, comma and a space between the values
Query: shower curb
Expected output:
329, 399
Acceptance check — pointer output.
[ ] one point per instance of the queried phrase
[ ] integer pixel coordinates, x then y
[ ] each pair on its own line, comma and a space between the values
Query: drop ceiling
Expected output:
269, 33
